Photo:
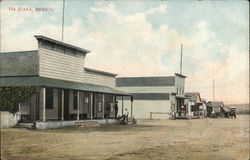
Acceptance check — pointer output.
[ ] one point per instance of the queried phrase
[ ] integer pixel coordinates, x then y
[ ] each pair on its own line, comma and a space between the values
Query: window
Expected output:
86, 97
177, 89
99, 106
75, 102
49, 98
86, 100
99, 103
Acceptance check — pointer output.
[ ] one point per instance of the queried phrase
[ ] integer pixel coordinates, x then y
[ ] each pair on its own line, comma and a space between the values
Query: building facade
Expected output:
154, 97
194, 105
67, 89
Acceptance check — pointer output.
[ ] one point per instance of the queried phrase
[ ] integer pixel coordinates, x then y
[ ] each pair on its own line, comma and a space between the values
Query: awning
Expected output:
182, 97
56, 83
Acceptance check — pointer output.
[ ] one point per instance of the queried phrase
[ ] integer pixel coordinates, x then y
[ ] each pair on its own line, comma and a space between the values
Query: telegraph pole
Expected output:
181, 59
63, 19
213, 90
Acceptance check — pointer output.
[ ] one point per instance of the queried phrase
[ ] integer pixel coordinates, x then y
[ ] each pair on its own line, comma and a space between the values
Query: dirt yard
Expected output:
199, 139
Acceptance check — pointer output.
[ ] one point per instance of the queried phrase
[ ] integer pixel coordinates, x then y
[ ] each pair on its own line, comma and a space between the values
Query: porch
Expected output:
59, 101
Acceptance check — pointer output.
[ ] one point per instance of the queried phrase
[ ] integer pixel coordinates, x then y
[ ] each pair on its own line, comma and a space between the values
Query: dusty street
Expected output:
204, 139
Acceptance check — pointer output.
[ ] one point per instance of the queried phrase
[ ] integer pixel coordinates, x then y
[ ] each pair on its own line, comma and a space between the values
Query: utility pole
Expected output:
63, 19
213, 90
181, 59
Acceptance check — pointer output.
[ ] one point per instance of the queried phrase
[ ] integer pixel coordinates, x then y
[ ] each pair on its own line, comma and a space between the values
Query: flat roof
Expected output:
99, 71
145, 81
56, 83
40, 37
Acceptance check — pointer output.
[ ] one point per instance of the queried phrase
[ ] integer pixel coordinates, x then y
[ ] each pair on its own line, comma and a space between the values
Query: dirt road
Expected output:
201, 139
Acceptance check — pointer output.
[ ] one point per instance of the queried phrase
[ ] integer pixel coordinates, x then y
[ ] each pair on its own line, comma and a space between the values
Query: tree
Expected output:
11, 96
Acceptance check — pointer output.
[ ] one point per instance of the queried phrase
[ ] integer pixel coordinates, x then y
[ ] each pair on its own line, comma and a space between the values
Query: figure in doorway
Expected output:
116, 109
126, 115
108, 110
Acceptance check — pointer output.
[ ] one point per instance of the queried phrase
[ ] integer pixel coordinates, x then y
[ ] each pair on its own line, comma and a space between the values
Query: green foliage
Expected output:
11, 96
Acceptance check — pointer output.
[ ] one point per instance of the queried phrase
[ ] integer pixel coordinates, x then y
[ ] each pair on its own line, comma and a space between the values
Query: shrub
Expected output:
11, 96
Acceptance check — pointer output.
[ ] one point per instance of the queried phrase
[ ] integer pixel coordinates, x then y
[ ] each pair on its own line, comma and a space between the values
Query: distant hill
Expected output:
241, 108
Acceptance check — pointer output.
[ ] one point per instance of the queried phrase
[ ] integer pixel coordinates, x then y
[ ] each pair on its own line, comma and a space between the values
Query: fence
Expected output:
8, 119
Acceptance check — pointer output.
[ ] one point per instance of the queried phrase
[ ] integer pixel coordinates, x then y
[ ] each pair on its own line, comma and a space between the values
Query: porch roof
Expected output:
56, 83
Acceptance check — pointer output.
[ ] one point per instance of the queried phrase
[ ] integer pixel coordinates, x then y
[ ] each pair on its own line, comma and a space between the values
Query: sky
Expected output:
144, 37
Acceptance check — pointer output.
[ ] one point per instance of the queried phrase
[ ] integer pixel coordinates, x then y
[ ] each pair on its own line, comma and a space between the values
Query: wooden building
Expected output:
215, 109
154, 97
67, 89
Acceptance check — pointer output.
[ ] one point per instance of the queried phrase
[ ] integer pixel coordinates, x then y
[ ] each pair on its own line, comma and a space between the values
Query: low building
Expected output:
154, 97
67, 89
195, 105
215, 109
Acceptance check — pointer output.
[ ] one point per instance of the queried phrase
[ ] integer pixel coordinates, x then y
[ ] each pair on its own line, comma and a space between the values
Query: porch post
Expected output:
122, 106
44, 104
78, 105
91, 105
62, 112
103, 104
19, 106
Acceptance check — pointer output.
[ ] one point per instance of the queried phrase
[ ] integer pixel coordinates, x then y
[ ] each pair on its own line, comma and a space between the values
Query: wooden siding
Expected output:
50, 113
33, 107
84, 107
69, 67
180, 85
93, 78
60, 66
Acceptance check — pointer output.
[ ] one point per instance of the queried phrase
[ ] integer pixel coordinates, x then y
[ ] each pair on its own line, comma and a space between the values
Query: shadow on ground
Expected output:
103, 128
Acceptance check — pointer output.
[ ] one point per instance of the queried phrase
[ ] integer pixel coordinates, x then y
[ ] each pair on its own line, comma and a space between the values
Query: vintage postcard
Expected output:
124, 80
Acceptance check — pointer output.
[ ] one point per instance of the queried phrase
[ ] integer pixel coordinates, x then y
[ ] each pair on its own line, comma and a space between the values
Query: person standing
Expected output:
116, 109
126, 116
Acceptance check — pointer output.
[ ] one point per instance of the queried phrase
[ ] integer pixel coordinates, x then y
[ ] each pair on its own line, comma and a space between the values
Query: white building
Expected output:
155, 97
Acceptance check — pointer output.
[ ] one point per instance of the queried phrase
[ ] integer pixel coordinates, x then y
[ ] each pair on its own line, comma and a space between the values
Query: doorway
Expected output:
66, 105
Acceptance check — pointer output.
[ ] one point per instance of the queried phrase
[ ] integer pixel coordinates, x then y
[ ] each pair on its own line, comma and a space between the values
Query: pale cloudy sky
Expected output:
143, 38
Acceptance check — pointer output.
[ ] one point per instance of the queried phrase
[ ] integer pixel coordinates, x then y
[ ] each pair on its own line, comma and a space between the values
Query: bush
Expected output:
11, 96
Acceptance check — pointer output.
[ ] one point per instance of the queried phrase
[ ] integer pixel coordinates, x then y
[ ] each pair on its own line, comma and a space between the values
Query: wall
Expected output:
69, 67
25, 106
60, 66
98, 79
28, 108
53, 113
142, 108
180, 85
